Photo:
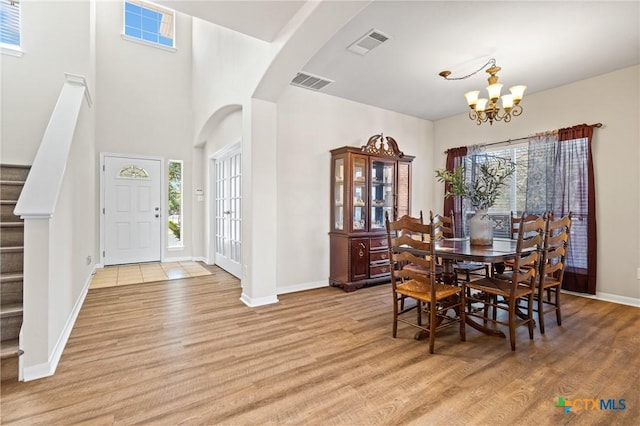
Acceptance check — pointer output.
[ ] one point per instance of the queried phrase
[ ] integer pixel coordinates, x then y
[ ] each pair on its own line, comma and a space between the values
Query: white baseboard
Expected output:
607, 297
47, 369
302, 287
177, 259
200, 259
39, 371
258, 301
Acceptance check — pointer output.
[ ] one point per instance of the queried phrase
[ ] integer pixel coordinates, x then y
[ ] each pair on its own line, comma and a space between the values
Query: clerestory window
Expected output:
10, 25
149, 23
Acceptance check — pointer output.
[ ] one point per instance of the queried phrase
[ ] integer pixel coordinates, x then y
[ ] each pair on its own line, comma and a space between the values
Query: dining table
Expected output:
452, 250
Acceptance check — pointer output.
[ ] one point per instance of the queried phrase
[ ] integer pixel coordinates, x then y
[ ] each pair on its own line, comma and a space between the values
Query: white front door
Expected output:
132, 210
228, 213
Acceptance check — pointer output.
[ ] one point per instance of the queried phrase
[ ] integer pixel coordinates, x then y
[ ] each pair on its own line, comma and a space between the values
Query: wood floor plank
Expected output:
188, 351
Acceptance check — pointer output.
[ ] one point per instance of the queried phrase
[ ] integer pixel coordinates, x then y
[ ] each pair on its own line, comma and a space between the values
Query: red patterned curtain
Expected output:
575, 192
455, 157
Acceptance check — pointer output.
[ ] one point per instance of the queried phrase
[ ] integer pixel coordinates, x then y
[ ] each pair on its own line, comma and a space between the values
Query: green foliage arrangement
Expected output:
175, 229
482, 192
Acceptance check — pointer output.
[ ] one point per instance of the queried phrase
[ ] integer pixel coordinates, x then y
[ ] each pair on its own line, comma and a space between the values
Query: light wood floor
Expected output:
188, 351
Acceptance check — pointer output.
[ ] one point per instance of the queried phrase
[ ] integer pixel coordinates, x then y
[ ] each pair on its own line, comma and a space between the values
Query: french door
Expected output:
228, 212
132, 219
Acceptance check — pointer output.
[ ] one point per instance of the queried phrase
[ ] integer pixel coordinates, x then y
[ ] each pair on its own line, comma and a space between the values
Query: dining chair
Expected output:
442, 303
448, 230
552, 265
412, 266
519, 287
515, 222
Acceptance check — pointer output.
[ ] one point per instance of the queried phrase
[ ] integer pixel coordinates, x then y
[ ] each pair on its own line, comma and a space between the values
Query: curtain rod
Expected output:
508, 141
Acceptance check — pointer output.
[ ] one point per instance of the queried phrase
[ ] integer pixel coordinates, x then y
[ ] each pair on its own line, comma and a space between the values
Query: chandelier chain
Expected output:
491, 62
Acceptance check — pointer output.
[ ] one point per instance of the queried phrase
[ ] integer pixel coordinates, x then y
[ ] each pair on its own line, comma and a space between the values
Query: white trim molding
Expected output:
258, 301
608, 297
302, 287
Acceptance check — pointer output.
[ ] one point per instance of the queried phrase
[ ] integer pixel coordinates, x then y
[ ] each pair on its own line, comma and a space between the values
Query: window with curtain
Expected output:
10, 24
554, 172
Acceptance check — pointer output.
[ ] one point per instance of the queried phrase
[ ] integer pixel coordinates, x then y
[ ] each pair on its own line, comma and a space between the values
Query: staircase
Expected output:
11, 266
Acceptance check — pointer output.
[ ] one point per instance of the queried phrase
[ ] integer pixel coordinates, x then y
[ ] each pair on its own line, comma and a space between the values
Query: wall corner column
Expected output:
259, 211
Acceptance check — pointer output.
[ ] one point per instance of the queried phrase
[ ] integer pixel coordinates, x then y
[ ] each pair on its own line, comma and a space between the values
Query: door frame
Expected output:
225, 151
164, 201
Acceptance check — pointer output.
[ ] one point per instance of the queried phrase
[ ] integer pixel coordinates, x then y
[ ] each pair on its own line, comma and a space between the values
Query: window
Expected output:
175, 222
513, 196
10, 24
149, 22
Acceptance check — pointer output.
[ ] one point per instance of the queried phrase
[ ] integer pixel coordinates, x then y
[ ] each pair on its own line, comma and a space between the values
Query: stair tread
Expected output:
11, 249
12, 182
12, 276
12, 224
8, 201
11, 310
10, 349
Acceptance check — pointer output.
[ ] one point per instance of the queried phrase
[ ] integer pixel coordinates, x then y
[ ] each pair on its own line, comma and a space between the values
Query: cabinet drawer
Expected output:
379, 256
375, 271
378, 243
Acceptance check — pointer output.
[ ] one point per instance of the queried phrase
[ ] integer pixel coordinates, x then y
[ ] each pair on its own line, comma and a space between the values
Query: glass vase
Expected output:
481, 229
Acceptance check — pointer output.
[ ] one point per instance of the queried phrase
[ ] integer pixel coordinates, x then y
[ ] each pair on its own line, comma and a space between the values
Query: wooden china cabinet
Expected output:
366, 183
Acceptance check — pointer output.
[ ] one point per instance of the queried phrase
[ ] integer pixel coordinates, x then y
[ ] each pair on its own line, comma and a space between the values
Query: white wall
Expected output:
143, 104
30, 84
30, 88
309, 125
613, 100
226, 68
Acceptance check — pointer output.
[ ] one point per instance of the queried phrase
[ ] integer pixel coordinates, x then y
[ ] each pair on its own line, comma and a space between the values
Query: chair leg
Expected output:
530, 323
512, 324
463, 318
558, 315
395, 315
432, 325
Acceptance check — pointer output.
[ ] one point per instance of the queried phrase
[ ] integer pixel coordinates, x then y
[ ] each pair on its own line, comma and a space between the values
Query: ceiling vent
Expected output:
310, 81
369, 41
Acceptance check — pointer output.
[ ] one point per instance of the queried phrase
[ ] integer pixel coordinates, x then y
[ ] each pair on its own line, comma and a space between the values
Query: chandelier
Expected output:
487, 109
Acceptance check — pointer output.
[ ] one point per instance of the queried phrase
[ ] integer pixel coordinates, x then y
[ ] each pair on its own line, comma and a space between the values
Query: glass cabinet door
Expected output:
359, 194
338, 194
382, 193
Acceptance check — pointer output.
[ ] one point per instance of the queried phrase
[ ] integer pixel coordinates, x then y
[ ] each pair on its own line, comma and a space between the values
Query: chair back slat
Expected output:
554, 251
444, 225
527, 260
411, 234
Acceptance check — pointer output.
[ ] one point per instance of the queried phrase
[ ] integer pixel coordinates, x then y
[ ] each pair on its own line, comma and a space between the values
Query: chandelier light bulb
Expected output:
517, 92
472, 98
482, 104
494, 91
507, 102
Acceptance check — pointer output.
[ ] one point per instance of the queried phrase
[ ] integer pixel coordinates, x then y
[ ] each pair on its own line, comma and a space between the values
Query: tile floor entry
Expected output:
117, 275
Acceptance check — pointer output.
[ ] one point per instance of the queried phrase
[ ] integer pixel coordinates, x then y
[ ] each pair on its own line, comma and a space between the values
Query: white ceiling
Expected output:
542, 44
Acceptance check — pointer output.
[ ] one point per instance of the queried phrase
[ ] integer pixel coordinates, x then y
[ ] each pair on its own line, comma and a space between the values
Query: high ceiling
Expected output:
542, 44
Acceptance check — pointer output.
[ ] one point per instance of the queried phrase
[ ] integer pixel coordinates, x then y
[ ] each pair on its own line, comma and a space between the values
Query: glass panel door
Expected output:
382, 193
359, 194
338, 194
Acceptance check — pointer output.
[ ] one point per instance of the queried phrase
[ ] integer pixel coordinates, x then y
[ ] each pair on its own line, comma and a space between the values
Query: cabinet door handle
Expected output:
361, 245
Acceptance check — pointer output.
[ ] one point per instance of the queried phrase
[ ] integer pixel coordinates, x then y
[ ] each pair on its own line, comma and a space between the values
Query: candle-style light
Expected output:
488, 109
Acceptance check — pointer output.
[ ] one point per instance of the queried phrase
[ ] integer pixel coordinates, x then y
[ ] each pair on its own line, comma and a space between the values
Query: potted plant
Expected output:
482, 192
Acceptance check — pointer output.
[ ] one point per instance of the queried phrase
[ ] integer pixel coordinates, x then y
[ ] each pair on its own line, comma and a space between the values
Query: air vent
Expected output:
369, 41
310, 81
